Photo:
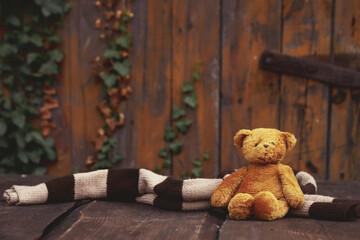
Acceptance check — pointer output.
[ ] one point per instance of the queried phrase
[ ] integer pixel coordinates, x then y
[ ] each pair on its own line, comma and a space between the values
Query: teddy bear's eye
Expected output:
273, 143
256, 144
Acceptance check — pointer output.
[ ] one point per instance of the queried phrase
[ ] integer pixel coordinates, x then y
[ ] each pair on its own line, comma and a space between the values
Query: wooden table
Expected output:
93, 219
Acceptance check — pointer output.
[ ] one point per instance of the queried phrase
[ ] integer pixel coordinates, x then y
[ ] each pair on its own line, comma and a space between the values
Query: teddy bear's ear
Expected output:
290, 140
240, 136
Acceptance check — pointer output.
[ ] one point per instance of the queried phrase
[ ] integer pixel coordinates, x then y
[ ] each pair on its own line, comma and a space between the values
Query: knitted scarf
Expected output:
144, 186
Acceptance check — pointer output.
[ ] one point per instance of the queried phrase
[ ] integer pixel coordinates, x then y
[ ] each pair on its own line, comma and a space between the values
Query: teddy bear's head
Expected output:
264, 145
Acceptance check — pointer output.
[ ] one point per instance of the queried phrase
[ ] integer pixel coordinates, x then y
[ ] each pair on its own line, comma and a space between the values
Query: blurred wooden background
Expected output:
228, 37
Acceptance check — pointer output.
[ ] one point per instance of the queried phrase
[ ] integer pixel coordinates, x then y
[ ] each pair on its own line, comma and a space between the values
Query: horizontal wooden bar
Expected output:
307, 68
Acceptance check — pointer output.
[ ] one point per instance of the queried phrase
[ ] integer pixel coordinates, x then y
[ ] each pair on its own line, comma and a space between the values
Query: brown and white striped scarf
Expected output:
144, 186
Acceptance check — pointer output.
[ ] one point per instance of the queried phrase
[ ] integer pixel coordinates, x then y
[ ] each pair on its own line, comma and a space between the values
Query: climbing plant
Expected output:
180, 126
113, 70
29, 65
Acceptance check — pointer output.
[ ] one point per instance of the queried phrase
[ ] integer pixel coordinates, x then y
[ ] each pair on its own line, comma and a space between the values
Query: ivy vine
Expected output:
29, 65
113, 70
181, 125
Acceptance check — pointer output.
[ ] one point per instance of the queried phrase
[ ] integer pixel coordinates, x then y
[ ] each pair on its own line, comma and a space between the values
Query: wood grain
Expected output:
345, 115
19, 222
249, 96
111, 220
304, 103
128, 135
152, 93
299, 228
195, 38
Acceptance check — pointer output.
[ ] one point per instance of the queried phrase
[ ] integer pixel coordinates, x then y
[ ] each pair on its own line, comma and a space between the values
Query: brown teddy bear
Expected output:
265, 187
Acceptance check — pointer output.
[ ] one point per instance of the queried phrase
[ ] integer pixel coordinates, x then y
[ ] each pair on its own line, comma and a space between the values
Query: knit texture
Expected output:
144, 186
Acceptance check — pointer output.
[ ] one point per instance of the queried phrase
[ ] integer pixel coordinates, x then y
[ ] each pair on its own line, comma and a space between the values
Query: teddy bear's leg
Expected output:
266, 206
241, 206
283, 208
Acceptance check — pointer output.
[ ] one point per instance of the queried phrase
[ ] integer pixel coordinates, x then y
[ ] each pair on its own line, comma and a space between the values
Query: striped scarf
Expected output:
144, 186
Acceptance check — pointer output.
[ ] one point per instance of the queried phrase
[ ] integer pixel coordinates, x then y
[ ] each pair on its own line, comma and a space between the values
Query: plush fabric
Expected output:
144, 186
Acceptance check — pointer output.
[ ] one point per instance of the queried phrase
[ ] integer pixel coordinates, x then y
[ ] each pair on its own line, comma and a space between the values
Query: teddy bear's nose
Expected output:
265, 145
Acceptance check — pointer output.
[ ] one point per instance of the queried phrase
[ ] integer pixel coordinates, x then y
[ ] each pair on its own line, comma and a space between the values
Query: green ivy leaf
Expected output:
170, 135
103, 164
196, 75
111, 53
123, 68
9, 80
19, 140
36, 40
13, 20
187, 87
183, 126
123, 41
175, 147
39, 171
31, 57
67, 7
35, 156
206, 155
166, 163
163, 153
197, 172
55, 38
191, 100
122, 27
185, 176
49, 67
157, 170
117, 158
19, 119
23, 158
7, 49
197, 162
109, 79
3, 128
177, 112
56, 55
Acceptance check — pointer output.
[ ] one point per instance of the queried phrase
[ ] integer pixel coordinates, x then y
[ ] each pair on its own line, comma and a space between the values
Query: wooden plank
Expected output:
111, 220
80, 94
195, 38
151, 92
61, 116
345, 116
304, 103
127, 136
299, 228
250, 97
289, 228
27, 222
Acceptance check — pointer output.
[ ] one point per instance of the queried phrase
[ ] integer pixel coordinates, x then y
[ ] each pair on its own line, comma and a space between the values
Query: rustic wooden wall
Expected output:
228, 37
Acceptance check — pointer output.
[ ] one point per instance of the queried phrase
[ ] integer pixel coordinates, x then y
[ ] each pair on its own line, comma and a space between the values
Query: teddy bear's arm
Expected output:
290, 187
227, 189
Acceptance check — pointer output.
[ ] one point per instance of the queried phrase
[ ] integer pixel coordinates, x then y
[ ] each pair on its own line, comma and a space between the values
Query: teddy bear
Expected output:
265, 188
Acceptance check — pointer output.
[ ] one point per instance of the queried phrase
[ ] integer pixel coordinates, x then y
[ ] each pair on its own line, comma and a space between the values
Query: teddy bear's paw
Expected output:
241, 206
221, 198
266, 206
296, 201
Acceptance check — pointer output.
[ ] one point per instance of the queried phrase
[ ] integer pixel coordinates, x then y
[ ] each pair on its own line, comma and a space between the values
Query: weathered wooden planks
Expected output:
19, 222
196, 38
250, 98
152, 93
345, 115
304, 103
299, 228
169, 36
128, 136
112, 220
